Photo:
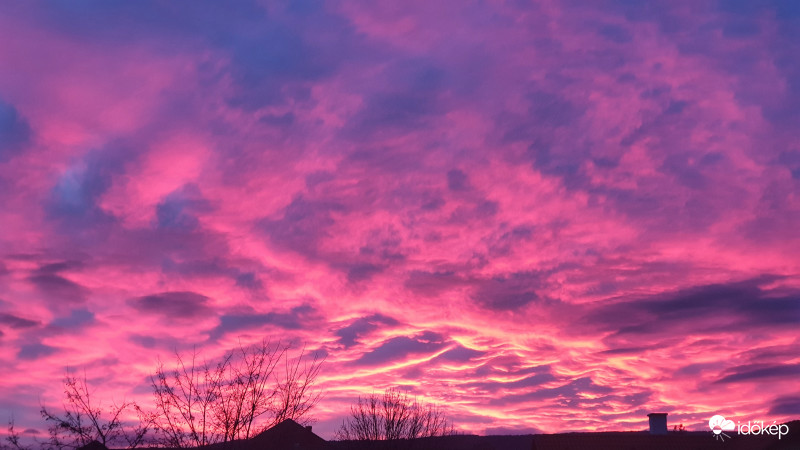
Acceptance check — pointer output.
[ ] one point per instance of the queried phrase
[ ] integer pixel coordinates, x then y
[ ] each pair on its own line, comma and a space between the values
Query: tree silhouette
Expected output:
250, 389
391, 416
84, 421
13, 439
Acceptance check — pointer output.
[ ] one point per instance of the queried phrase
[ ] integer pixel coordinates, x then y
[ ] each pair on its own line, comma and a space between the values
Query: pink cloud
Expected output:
548, 217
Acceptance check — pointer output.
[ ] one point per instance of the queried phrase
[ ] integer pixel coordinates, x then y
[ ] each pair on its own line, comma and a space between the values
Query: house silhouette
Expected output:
288, 435
94, 445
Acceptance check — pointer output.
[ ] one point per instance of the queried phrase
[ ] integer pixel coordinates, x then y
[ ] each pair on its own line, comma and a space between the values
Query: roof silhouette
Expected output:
621, 440
94, 445
645, 441
289, 435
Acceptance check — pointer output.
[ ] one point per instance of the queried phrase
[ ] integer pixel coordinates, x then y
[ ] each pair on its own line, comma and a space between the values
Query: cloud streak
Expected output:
544, 216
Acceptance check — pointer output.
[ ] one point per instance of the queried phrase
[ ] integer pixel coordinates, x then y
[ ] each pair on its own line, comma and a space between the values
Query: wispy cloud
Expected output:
549, 215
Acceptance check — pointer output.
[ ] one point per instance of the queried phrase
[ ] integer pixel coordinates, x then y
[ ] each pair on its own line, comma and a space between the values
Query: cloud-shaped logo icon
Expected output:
718, 424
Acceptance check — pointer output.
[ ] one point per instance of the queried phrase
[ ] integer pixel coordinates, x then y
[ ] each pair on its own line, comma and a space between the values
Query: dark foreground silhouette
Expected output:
289, 435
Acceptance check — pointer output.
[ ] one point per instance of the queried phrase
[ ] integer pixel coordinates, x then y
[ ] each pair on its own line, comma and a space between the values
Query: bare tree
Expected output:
184, 398
13, 438
251, 388
295, 393
84, 421
392, 416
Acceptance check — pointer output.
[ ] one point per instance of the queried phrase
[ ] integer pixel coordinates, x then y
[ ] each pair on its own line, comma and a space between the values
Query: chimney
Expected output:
658, 423
308, 428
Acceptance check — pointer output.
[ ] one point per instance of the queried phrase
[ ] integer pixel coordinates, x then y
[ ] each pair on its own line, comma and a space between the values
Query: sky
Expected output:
545, 216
